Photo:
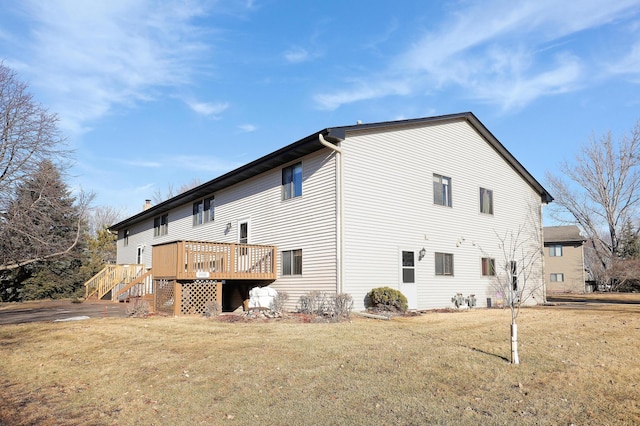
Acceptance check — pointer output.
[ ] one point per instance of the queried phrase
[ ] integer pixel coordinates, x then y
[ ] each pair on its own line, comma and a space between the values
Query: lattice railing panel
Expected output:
165, 296
196, 295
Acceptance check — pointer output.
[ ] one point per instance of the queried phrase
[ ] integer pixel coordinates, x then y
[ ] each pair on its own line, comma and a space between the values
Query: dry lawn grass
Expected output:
579, 366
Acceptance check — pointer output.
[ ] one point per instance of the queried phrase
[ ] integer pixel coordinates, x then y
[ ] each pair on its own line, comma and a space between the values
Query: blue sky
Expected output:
158, 93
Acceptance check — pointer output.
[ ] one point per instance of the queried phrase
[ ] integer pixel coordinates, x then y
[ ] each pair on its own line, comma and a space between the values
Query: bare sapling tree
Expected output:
30, 145
601, 193
517, 270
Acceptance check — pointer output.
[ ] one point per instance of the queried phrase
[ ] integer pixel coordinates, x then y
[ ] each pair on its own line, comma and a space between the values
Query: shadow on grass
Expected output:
488, 353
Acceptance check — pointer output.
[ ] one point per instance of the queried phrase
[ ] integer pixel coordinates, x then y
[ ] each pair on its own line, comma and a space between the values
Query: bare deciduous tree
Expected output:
171, 192
30, 144
601, 192
102, 217
28, 132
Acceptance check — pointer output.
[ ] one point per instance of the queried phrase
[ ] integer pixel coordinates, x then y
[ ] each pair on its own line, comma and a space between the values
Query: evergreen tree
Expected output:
629, 242
41, 217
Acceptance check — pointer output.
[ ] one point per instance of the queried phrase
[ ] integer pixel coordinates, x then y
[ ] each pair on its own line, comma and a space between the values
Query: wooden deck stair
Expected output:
112, 276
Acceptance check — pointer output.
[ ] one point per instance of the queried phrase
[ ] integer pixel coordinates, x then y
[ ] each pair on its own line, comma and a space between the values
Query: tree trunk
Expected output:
515, 359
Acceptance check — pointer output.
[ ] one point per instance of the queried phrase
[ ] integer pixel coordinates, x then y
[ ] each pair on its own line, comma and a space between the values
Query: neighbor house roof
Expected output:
562, 234
310, 144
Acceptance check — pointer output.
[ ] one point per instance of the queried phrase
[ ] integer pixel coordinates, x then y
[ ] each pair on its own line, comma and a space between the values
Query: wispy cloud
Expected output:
296, 55
92, 56
500, 52
247, 128
207, 109
143, 163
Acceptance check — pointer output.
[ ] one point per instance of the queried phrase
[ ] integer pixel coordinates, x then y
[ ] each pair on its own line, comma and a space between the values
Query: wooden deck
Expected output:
193, 260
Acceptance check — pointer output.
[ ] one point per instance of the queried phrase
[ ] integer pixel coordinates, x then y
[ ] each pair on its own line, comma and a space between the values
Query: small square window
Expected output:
488, 267
557, 277
292, 262
444, 264
203, 211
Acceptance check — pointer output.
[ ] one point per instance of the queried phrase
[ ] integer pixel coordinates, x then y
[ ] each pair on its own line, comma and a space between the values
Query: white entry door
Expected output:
408, 285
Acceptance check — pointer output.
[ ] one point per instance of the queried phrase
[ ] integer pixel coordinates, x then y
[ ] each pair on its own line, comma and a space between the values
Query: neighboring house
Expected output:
418, 205
564, 260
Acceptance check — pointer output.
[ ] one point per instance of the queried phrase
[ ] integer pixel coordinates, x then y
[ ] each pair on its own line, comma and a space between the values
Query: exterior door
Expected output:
408, 285
243, 252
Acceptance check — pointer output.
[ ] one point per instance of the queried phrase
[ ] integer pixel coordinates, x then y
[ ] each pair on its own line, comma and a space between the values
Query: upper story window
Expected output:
486, 201
441, 190
488, 267
444, 264
161, 225
555, 250
125, 237
557, 277
203, 211
292, 181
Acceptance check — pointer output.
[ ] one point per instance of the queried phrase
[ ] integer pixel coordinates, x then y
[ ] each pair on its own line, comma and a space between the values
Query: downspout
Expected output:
339, 213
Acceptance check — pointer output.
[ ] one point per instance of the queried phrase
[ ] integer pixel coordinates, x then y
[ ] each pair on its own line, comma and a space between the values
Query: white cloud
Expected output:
247, 128
296, 55
91, 56
500, 52
629, 64
207, 109
361, 91
143, 163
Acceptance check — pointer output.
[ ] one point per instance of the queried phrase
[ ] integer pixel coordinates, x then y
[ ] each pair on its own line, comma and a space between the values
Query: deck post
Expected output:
177, 298
232, 258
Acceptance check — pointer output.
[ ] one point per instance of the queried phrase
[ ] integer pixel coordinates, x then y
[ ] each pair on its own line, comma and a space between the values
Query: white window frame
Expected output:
292, 188
441, 264
555, 250
161, 225
203, 211
486, 201
291, 262
554, 277
442, 190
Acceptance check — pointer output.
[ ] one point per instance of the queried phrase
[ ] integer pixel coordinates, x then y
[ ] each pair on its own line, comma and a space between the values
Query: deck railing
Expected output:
110, 277
194, 260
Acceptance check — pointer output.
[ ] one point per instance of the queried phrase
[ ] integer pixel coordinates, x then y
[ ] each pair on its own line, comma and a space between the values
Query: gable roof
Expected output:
562, 234
311, 144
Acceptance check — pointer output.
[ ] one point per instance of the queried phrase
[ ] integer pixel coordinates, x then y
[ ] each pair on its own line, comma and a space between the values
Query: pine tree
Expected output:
41, 218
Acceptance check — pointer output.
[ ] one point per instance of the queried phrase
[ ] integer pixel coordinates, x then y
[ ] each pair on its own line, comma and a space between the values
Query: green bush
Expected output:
387, 299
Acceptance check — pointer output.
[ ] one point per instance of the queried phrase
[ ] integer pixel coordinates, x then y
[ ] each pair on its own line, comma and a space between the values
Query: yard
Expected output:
579, 366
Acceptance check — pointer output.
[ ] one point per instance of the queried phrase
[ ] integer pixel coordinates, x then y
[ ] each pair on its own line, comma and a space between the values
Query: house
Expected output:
421, 205
564, 260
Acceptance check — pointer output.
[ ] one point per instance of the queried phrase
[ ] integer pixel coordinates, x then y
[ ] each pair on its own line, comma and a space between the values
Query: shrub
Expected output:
278, 302
212, 309
387, 299
333, 307
138, 309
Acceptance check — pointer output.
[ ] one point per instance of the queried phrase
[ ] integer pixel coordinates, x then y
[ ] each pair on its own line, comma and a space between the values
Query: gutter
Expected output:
339, 213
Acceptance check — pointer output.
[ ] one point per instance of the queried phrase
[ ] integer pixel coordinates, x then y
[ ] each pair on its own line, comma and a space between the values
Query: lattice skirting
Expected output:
192, 297
165, 296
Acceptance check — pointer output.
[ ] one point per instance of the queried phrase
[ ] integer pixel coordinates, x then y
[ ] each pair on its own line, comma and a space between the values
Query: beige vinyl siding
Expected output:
389, 207
307, 222
571, 264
